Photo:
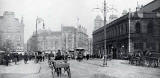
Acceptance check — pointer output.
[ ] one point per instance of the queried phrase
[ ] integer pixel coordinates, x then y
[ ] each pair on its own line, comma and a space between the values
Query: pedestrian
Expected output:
36, 57
105, 60
11, 57
87, 56
49, 57
15, 58
6, 58
25, 58
43, 57
30, 57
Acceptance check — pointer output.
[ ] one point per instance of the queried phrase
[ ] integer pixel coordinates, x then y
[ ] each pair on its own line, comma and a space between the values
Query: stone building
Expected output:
90, 44
31, 43
98, 22
141, 33
82, 38
151, 7
11, 32
74, 38
48, 41
68, 38
112, 17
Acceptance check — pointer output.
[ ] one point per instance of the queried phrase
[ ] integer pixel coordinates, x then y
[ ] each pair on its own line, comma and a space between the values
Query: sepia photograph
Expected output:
79, 38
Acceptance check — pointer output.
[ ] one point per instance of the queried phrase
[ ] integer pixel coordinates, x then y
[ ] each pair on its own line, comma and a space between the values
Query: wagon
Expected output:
58, 65
150, 59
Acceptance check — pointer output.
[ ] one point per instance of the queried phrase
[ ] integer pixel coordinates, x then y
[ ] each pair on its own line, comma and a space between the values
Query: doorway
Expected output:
114, 53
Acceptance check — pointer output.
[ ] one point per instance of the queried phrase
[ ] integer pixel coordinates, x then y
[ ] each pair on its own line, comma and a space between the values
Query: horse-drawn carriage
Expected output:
146, 58
57, 66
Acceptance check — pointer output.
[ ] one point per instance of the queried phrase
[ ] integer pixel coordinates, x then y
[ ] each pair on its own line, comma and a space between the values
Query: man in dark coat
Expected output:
25, 58
15, 58
87, 56
58, 57
6, 58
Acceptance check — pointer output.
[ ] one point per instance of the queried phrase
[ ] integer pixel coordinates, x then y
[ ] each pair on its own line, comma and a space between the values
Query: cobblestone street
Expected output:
85, 69
121, 69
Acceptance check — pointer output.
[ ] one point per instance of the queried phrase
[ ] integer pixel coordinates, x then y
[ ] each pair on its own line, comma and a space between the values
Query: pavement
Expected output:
85, 69
19, 70
121, 69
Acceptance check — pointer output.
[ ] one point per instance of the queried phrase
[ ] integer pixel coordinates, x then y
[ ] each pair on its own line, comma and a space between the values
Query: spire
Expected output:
138, 7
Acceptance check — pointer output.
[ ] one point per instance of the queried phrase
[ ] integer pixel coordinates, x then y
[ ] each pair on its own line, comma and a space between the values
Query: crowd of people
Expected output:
8, 58
38, 57
13, 57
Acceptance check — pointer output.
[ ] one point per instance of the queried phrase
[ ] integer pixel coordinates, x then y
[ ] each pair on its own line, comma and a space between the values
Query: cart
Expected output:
58, 65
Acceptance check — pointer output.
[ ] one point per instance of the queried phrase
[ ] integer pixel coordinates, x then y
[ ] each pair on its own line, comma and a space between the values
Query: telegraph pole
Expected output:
105, 50
129, 32
105, 8
104, 12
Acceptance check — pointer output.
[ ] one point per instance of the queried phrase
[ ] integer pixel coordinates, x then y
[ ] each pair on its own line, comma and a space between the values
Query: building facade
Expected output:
98, 22
112, 17
66, 40
137, 31
82, 38
48, 41
11, 32
90, 46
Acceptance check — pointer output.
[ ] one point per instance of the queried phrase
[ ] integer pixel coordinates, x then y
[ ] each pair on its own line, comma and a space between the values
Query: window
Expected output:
159, 31
138, 46
113, 32
116, 31
151, 45
150, 28
124, 28
138, 27
121, 25
120, 30
159, 47
127, 28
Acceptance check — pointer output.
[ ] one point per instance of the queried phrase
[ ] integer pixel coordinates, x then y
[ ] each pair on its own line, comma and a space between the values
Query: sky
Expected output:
63, 12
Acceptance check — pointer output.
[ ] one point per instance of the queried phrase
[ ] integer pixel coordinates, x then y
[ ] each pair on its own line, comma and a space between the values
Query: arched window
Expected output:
150, 28
138, 27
